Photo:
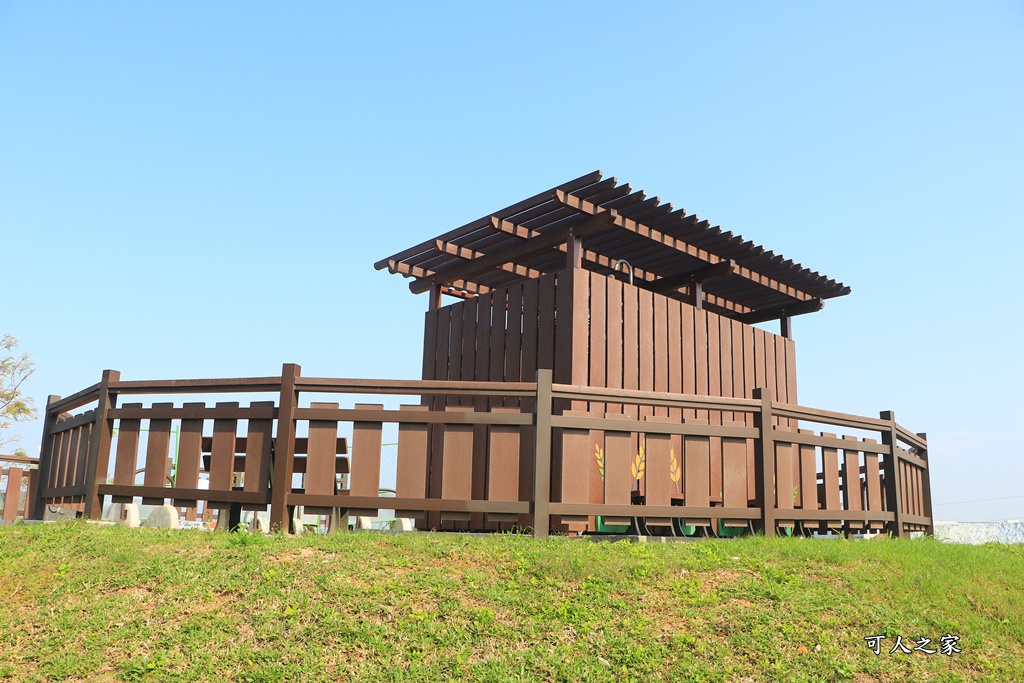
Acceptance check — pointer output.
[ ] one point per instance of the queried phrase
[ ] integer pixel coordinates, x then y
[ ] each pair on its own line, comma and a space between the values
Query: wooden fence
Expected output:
497, 464
17, 486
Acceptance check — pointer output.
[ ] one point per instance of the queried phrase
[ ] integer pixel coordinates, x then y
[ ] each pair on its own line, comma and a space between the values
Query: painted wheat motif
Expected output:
639, 464
676, 472
599, 456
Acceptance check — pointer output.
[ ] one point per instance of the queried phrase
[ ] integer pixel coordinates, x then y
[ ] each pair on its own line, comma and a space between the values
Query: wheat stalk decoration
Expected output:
676, 472
639, 463
599, 456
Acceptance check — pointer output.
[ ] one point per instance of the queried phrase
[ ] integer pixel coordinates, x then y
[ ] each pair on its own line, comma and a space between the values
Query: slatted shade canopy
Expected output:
595, 222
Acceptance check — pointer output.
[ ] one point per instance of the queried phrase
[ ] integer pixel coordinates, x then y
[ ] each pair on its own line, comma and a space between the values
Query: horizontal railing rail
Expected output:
486, 455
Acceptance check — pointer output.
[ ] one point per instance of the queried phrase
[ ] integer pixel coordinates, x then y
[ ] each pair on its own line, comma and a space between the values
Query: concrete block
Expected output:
162, 517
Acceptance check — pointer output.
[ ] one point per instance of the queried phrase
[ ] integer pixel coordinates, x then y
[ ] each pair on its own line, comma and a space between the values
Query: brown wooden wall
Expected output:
596, 331
623, 337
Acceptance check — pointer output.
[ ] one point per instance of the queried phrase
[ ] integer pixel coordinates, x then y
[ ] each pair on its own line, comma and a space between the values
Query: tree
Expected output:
14, 370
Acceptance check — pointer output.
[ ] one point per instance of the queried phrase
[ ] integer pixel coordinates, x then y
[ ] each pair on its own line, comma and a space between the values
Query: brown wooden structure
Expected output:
601, 361
812, 480
609, 288
17, 486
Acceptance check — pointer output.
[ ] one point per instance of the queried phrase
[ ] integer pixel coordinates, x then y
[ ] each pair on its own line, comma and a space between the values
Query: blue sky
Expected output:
200, 190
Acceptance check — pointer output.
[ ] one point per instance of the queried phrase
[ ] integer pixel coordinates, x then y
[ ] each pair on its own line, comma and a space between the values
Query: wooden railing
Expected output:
537, 455
17, 484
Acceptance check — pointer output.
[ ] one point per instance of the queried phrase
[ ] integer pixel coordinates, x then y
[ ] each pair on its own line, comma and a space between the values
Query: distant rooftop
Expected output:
669, 250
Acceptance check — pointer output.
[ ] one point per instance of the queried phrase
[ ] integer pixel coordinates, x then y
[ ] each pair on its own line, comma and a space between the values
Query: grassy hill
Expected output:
87, 603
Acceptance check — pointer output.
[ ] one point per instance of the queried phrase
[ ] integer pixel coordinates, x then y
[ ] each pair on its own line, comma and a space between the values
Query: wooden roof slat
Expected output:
469, 255
399, 268
549, 240
685, 247
547, 195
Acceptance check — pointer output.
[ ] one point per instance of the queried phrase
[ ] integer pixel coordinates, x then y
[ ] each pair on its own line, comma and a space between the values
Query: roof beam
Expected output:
641, 277
469, 255
786, 310
599, 220
583, 206
399, 268
537, 199
720, 269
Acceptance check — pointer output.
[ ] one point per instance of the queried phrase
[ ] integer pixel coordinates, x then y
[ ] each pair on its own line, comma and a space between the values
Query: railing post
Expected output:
542, 456
284, 449
38, 504
891, 467
764, 460
99, 446
927, 485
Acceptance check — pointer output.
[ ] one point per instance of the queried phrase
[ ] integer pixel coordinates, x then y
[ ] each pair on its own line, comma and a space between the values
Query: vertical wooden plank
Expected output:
438, 403
614, 325
598, 335
781, 387
68, 450
514, 337
528, 371
734, 477
222, 453
697, 474
830, 476
808, 498
31, 492
689, 355
575, 467
580, 330
81, 462
769, 369
786, 485
715, 354
658, 470
411, 462
760, 371
700, 348
480, 372
873, 483
726, 359
457, 477
675, 355
320, 455
791, 395
429, 343
645, 344
749, 384
468, 372
12, 499
661, 342
503, 465
258, 442
366, 440
496, 343
851, 481
126, 457
546, 330
158, 454
630, 345
190, 448
618, 460
736, 340
458, 312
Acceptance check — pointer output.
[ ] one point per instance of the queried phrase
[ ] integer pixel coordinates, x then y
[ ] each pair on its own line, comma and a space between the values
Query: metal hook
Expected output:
629, 268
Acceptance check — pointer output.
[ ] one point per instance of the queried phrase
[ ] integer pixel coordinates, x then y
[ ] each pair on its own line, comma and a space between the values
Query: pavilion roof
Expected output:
667, 248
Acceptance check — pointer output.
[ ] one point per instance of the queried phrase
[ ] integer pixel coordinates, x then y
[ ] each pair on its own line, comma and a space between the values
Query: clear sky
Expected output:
201, 189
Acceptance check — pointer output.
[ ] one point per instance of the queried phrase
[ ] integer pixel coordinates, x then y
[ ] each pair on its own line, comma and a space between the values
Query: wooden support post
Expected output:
697, 288
926, 481
574, 251
99, 447
891, 467
542, 455
764, 460
38, 504
435, 298
785, 327
284, 449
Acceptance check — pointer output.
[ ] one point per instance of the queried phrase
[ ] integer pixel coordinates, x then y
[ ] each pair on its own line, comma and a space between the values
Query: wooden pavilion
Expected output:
608, 288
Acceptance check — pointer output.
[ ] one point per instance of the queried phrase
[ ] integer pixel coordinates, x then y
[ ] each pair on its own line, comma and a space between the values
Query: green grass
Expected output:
87, 603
